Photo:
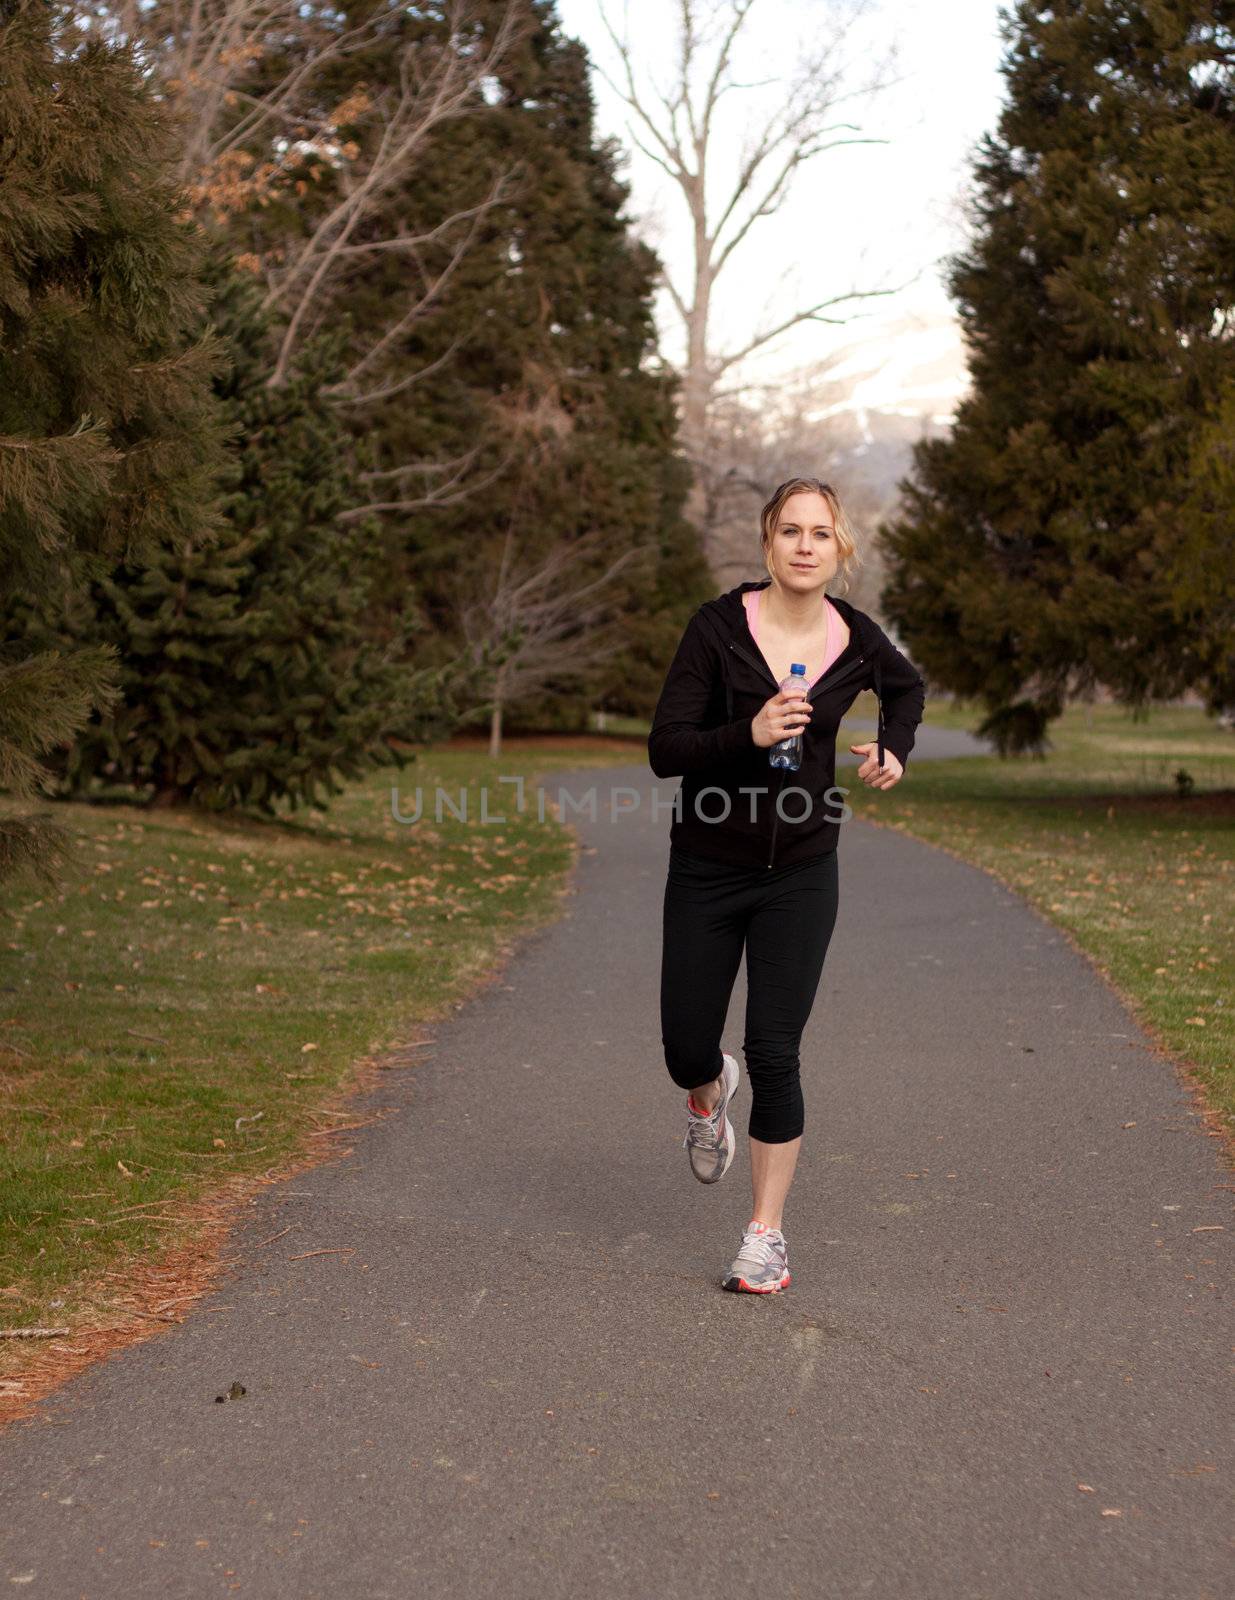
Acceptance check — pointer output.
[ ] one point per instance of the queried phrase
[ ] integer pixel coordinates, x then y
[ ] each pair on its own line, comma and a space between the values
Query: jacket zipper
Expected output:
824, 682
759, 666
762, 666
776, 817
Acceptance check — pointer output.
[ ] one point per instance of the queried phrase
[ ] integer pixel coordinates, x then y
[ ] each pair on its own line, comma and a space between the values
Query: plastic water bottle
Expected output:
788, 753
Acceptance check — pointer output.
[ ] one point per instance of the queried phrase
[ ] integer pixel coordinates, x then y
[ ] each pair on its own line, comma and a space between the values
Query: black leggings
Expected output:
785, 917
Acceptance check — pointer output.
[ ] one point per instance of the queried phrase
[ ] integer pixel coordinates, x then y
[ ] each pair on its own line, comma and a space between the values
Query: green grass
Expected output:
175, 1014
1097, 837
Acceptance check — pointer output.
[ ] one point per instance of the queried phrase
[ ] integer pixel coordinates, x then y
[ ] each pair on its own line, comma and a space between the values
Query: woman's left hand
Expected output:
870, 772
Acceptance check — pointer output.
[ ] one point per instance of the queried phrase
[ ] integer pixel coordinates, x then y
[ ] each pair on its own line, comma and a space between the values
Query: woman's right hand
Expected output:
780, 718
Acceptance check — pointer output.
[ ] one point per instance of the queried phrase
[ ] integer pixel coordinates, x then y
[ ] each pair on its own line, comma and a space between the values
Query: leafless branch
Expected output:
202, 51
246, 139
456, 487
679, 130
396, 386
349, 386
722, 364
534, 623
422, 469
429, 94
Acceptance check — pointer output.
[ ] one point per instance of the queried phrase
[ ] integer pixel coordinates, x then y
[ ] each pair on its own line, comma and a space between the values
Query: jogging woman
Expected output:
753, 848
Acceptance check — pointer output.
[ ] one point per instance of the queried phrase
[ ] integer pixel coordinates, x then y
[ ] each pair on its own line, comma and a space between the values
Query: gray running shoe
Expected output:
710, 1138
761, 1266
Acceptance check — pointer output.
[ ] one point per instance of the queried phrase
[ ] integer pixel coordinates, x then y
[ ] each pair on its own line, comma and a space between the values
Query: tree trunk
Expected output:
495, 723
696, 401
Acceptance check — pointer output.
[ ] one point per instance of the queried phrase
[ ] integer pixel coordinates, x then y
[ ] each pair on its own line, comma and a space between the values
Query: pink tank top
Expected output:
834, 647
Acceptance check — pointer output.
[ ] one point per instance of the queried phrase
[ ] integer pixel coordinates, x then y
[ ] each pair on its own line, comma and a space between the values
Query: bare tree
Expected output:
242, 150
678, 130
437, 83
535, 626
535, 620
202, 53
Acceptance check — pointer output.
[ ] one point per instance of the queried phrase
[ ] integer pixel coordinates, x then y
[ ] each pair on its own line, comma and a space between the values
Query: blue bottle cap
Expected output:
798, 668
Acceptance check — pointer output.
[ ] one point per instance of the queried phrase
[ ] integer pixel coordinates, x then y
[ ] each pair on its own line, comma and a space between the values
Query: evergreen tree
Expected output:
549, 307
1203, 590
248, 675
1044, 548
110, 437
558, 299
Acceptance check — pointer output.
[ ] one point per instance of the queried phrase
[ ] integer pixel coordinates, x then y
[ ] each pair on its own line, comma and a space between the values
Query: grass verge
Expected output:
1098, 836
185, 1020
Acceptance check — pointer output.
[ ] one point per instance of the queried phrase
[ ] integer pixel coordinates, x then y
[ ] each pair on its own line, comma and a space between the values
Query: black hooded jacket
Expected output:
733, 805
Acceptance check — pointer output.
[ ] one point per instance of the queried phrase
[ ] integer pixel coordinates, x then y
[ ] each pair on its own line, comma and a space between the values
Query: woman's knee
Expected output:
778, 1131
777, 1122
778, 1110
690, 1066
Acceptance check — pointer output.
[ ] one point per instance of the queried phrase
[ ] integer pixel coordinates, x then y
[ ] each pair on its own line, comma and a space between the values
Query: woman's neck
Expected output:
792, 613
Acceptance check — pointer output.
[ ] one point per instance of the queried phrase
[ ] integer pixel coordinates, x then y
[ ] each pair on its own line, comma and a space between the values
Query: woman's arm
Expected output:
678, 742
902, 701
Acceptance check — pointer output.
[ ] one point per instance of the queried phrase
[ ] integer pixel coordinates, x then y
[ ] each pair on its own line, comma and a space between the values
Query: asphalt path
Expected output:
1004, 1367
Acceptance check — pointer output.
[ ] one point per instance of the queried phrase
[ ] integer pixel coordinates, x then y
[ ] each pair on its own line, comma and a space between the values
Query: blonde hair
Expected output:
845, 536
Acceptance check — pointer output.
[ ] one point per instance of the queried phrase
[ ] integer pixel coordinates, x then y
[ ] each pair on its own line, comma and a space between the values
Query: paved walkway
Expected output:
1003, 1369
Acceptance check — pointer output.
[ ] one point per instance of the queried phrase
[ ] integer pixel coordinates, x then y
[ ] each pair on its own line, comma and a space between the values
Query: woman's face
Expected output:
803, 553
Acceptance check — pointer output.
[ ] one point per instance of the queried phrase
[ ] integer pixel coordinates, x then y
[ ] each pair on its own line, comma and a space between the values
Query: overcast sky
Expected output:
863, 215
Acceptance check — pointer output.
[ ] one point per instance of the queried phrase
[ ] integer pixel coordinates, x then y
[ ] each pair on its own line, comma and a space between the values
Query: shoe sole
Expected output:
731, 1142
741, 1286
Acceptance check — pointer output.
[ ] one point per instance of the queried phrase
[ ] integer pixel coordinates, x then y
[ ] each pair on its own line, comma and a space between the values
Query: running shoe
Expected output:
761, 1266
709, 1136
